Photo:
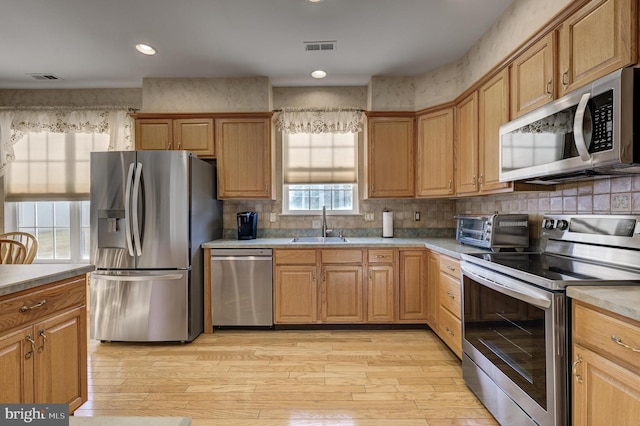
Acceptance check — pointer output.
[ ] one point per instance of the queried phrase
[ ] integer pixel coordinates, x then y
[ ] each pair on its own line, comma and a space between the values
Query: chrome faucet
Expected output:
325, 231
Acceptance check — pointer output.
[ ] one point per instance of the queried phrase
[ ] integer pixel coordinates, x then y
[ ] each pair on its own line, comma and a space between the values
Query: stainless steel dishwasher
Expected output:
242, 287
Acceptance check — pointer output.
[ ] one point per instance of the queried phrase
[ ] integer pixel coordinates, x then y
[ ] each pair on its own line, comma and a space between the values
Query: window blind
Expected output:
320, 158
52, 166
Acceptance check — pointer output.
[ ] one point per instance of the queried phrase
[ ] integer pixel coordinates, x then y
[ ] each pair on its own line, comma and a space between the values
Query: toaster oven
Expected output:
493, 231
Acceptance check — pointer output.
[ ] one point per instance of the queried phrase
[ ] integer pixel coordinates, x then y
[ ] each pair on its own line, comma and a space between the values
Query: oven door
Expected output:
514, 344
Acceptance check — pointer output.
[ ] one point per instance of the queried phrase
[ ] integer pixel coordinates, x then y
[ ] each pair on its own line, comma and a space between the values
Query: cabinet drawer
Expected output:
26, 308
380, 256
341, 256
450, 266
595, 329
450, 331
295, 257
450, 294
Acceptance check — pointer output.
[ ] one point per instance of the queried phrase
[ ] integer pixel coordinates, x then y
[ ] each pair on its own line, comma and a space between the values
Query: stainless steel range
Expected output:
516, 314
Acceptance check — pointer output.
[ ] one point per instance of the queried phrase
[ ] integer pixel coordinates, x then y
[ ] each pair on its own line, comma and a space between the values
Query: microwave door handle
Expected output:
578, 128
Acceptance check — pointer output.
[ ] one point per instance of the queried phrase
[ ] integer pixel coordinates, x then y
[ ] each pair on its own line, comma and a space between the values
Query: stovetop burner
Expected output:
578, 250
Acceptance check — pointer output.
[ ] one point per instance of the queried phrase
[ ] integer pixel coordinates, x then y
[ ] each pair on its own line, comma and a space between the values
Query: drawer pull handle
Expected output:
451, 268
451, 295
26, 308
619, 341
450, 332
29, 339
44, 341
575, 366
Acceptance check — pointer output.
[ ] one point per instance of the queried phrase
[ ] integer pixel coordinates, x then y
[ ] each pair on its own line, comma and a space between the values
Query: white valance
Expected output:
14, 124
320, 120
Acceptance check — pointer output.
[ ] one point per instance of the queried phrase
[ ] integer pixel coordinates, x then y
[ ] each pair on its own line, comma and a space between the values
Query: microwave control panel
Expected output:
601, 107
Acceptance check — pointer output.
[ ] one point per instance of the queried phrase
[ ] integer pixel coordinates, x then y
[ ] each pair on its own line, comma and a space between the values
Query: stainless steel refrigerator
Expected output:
150, 213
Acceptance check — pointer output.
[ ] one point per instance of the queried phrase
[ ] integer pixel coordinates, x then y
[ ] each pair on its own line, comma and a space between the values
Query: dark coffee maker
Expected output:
247, 225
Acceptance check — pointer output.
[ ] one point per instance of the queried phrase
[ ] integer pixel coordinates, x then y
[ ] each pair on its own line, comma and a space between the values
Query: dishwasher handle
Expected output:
242, 258
225, 253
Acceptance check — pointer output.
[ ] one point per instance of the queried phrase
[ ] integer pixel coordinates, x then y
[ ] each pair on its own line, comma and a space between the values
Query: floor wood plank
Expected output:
273, 378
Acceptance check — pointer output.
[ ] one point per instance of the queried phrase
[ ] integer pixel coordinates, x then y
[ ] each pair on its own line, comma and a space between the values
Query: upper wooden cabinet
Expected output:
191, 134
245, 158
599, 38
466, 146
390, 155
493, 111
532, 76
435, 154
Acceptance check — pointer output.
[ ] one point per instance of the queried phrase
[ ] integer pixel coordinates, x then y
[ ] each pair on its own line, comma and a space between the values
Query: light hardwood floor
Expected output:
316, 377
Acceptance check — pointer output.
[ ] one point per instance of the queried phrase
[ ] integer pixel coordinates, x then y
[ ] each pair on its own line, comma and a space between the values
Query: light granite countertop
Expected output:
14, 278
622, 300
129, 421
447, 246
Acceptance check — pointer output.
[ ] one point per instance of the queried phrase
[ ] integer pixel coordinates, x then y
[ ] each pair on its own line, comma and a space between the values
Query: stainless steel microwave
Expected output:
587, 132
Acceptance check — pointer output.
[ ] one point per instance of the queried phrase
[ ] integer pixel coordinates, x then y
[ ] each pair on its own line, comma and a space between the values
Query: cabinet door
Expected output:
435, 154
342, 298
60, 359
195, 135
295, 295
604, 393
433, 277
154, 133
466, 147
532, 83
380, 295
412, 288
16, 365
598, 39
390, 151
244, 154
493, 112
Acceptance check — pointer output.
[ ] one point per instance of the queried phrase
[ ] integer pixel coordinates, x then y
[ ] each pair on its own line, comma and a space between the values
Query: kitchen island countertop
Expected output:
447, 246
15, 278
622, 300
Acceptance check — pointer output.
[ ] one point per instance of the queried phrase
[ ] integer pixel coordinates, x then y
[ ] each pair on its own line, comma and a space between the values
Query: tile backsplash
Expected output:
615, 195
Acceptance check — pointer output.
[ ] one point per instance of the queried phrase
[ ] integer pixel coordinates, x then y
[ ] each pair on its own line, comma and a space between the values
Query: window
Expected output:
320, 169
47, 192
62, 228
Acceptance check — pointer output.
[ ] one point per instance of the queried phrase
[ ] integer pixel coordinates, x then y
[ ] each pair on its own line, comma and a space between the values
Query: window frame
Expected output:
75, 229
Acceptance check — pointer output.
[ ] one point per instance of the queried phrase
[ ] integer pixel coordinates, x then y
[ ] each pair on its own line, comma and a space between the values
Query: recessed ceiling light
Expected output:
315, 1
318, 74
145, 49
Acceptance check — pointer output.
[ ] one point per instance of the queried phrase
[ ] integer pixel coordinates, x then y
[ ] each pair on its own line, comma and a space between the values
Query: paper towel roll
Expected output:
387, 224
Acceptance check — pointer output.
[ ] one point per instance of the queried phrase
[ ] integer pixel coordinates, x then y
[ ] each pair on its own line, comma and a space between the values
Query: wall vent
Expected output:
317, 46
44, 76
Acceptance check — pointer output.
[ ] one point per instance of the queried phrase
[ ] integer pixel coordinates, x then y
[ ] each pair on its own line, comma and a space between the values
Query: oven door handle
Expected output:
506, 285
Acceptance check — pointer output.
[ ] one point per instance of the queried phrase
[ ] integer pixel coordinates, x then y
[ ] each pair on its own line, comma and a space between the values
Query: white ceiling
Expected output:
90, 43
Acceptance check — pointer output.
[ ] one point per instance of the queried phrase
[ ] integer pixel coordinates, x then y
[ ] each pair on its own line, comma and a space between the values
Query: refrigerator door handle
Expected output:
136, 196
137, 277
127, 209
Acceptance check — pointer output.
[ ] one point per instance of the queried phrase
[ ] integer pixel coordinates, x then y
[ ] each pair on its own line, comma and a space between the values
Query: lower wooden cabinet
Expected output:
606, 367
412, 286
349, 286
43, 345
444, 300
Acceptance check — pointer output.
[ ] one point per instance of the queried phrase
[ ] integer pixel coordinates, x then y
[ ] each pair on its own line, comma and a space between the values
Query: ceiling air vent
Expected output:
317, 46
44, 76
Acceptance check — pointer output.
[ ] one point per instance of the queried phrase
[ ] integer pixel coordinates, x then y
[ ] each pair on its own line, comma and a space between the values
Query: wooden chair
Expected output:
12, 251
29, 241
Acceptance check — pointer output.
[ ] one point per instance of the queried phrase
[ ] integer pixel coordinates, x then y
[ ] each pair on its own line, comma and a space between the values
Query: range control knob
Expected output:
548, 224
562, 225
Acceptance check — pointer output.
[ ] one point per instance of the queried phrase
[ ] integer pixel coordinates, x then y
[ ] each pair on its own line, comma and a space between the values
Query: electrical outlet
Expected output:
621, 202
416, 216
368, 217
272, 217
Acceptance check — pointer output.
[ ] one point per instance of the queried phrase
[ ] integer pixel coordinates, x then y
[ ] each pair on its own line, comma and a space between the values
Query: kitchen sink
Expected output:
319, 240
